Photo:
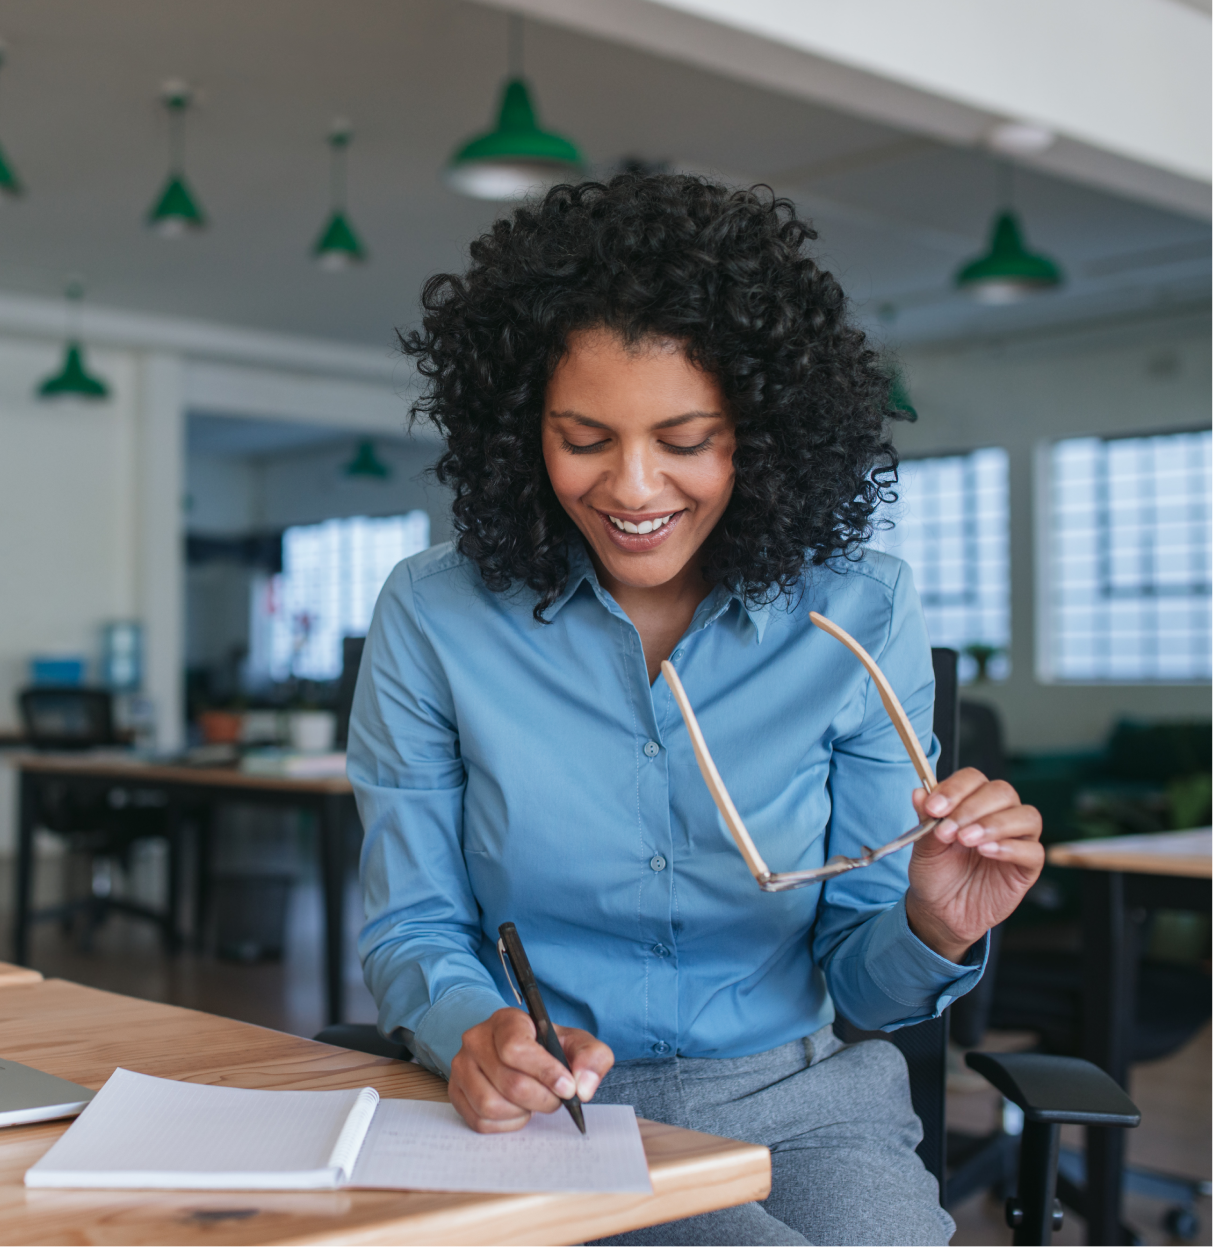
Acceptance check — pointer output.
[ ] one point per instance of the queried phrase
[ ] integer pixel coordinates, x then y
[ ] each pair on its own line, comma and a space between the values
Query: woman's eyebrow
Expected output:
673, 422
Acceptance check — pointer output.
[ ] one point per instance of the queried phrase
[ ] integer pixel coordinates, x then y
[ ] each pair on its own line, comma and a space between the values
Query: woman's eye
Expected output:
588, 449
698, 448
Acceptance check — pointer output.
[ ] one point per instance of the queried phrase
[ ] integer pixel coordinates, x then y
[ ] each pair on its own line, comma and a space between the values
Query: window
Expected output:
1128, 587
331, 575
951, 526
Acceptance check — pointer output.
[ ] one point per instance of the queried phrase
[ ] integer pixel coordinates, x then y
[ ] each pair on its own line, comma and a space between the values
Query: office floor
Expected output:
1173, 1094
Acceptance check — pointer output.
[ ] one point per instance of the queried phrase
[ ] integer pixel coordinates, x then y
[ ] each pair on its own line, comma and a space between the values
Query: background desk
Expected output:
330, 800
83, 1034
1166, 870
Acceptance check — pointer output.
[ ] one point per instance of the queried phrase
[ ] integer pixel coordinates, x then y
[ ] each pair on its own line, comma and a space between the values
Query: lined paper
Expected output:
423, 1146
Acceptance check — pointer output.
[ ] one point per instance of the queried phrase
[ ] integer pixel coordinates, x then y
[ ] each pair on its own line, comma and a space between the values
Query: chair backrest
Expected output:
67, 717
351, 660
925, 1046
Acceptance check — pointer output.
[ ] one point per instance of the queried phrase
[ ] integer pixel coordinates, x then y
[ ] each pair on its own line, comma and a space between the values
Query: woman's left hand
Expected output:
973, 870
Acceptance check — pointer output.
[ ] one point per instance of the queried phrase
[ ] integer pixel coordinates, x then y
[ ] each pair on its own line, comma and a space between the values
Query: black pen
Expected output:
512, 954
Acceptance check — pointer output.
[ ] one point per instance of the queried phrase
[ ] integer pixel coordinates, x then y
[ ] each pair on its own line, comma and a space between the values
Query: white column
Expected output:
160, 540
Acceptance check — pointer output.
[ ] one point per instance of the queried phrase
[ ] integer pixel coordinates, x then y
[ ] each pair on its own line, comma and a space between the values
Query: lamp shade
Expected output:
367, 463
517, 157
899, 399
10, 183
73, 380
1008, 271
338, 246
176, 210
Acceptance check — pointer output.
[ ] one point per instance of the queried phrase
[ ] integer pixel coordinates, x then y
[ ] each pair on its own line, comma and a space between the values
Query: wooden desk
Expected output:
83, 1034
11, 976
329, 800
1120, 874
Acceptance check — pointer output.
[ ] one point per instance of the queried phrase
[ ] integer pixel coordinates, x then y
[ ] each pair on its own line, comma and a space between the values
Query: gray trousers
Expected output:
841, 1130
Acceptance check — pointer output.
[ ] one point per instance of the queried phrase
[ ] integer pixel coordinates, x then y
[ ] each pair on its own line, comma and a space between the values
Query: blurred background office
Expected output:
218, 214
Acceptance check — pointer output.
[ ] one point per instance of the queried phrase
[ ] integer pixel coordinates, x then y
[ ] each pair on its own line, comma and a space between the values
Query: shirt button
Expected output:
661, 1047
661, 950
657, 862
651, 749
676, 654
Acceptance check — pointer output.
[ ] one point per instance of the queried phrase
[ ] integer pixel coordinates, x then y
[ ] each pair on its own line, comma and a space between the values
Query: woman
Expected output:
665, 440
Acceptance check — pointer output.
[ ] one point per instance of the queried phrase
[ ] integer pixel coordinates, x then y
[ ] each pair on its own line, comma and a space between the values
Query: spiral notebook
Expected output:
143, 1132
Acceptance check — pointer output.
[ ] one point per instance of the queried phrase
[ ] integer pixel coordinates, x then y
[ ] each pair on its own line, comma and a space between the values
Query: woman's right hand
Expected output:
502, 1074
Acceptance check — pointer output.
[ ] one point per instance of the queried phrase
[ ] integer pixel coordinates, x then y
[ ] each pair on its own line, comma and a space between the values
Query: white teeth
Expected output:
645, 526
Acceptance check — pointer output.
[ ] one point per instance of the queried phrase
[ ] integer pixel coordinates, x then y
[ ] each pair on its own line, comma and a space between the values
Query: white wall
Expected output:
68, 511
220, 494
1018, 393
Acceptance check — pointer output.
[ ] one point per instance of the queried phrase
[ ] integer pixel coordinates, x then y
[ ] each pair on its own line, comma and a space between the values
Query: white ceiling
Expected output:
79, 119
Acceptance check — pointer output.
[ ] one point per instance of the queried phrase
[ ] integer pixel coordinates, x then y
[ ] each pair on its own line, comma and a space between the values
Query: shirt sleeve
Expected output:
880, 975
421, 940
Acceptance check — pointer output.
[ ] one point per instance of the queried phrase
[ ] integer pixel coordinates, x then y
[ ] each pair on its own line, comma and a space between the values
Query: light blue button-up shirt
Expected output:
507, 770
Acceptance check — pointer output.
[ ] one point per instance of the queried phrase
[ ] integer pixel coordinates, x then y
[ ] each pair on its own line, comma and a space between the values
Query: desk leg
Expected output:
27, 817
172, 928
332, 867
1108, 1012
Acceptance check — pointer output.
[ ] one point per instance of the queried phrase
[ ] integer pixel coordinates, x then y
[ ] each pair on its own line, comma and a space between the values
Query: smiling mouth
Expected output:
639, 533
644, 526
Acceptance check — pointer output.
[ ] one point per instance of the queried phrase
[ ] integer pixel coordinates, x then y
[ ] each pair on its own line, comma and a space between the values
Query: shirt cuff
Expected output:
440, 1034
915, 976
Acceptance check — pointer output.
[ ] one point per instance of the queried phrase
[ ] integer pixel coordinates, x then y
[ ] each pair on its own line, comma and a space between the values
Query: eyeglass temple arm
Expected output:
893, 707
720, 794
711, 777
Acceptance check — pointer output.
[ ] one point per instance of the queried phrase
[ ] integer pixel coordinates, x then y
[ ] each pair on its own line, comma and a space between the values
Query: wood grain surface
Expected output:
1178, 853
119, 767
83, 1035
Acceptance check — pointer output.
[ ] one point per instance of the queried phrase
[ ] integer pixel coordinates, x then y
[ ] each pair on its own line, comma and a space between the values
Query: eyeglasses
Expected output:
788, 880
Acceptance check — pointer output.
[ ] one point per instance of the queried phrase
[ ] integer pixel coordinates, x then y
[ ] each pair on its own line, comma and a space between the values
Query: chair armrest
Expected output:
1056, 1089
362, 1037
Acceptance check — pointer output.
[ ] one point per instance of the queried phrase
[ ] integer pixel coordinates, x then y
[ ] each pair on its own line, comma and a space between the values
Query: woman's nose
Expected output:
637, 480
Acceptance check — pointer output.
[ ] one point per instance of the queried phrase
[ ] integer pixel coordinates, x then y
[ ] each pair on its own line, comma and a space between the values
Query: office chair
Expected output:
351, 660
67, 717
1041, 992
97, 820
1051, 1091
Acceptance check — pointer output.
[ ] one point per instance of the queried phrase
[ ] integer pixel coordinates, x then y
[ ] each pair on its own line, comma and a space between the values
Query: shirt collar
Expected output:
581, 570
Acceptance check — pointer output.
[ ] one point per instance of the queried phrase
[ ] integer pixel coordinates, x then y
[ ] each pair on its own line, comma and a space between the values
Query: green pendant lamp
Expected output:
899, 399
338, 245
73, 380
176, 211
10, 183
1008, 272
367, 463
517, 158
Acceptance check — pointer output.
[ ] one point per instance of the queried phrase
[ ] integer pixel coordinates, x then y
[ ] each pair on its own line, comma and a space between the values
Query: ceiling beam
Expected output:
1124, 84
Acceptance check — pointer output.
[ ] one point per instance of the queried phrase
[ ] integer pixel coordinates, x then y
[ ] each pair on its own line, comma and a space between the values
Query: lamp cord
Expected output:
515, 45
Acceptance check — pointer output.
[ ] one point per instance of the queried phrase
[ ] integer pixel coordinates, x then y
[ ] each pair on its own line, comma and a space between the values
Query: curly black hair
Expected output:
728, 274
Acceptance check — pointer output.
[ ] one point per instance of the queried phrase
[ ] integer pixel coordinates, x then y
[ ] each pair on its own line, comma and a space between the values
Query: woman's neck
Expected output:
661, 613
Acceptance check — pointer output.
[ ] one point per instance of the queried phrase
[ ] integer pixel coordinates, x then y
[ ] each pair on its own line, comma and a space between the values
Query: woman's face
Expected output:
640, 453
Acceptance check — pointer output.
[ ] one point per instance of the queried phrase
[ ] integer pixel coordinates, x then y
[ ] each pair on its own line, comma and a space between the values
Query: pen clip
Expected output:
509, 978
